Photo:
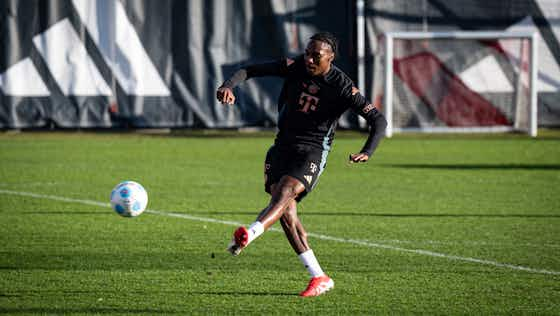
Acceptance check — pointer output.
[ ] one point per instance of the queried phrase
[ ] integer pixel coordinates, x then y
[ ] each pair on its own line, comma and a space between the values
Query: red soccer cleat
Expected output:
318, 286
239, 241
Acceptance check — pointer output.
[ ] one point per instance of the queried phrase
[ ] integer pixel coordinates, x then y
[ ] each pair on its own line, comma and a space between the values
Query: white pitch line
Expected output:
463, 243
318, 236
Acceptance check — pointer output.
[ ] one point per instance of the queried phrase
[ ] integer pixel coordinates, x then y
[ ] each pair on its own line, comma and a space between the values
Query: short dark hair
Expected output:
328, 38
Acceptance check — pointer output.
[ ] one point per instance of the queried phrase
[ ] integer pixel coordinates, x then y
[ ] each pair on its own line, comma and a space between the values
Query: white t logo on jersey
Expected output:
307, 102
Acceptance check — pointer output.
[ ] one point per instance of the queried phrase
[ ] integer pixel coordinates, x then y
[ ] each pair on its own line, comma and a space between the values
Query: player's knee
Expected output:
290, 187
288, 191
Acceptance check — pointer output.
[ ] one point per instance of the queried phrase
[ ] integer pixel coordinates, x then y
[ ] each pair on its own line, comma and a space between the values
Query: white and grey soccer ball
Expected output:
129, 199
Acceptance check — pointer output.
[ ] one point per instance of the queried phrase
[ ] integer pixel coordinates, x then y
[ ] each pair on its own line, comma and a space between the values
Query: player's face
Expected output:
318, 57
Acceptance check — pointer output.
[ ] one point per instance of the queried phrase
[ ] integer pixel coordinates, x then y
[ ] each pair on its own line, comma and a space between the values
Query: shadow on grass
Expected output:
64, 212
85, 310
436, 215
150, 258
238, 293
477, 166
9, 295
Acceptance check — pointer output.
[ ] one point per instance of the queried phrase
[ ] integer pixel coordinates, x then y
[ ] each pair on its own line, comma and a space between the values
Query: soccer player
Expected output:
314, 95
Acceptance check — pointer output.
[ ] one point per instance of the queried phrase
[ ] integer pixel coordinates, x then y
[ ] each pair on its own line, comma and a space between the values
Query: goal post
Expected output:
460, 82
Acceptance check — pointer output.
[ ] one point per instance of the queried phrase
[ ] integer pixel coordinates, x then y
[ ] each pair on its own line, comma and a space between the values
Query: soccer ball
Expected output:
129, 199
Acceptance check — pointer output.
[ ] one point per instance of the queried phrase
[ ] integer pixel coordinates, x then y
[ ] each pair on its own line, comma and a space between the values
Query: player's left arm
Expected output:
375, 119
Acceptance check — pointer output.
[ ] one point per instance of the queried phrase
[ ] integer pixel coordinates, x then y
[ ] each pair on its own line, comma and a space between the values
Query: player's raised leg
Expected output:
297, 236
283, 193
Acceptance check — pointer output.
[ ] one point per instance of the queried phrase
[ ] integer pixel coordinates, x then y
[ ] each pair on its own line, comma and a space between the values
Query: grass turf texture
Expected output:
492, 198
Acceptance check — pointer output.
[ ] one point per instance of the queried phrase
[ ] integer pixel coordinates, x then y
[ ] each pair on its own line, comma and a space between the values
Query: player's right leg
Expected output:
284, 192
242, 235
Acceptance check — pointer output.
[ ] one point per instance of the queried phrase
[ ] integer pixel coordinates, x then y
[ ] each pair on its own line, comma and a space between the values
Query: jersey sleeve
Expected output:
278, 68
375, 119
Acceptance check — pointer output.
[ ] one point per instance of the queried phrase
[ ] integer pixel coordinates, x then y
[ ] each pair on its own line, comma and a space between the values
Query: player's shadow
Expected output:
98, 310
509, 166
64, 213
435, 215
343, 214
238, 293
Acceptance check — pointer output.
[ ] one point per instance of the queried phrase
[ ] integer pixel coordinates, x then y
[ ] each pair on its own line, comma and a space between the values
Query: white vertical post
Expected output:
534, 86
361, 48
388, 94
360, 34
521, 112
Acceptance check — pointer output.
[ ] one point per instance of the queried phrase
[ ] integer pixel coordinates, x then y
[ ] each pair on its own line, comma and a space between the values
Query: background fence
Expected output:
147, 63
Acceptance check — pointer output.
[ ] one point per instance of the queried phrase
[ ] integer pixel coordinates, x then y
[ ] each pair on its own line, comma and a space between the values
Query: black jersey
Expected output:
309, 106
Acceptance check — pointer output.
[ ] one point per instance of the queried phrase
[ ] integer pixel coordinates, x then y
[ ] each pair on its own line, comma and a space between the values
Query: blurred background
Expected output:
117, 64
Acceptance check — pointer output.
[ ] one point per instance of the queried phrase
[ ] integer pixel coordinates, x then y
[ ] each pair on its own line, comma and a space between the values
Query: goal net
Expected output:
460, 82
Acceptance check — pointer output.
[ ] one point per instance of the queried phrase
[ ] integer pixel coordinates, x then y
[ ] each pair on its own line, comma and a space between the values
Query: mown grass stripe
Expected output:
318, 236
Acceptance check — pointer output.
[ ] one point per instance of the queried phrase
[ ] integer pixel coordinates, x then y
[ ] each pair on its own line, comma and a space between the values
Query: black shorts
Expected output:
299, 161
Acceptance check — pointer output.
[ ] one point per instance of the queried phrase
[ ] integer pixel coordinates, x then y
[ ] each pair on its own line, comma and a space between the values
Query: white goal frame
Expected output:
474, 35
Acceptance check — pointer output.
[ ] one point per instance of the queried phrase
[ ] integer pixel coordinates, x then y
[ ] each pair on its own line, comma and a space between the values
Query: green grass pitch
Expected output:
431, 225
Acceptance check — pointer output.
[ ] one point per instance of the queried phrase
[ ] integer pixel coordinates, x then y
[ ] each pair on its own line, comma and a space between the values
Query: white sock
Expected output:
255, 230
310, 262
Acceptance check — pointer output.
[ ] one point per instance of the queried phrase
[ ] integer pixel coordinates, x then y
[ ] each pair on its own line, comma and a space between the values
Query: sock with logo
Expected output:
311, 264
255, 230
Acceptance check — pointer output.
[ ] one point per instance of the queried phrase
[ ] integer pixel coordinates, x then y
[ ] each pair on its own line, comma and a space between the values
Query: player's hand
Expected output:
225, 95
361, 157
